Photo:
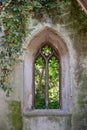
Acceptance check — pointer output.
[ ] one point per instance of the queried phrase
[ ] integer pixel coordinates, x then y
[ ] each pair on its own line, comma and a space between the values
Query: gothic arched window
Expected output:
47, 83
47, 78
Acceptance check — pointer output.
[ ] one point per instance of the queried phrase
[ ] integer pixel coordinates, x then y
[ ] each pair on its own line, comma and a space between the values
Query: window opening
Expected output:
47, 79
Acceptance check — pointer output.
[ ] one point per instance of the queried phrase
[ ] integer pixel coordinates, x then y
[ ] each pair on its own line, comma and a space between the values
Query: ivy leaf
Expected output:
16, 33
15, 19
37, 4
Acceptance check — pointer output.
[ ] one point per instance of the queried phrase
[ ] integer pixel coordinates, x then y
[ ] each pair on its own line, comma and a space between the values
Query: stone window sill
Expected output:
53, 112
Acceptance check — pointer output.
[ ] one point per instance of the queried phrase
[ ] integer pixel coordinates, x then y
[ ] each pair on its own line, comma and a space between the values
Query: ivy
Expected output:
14, 19
11, 48
14, 14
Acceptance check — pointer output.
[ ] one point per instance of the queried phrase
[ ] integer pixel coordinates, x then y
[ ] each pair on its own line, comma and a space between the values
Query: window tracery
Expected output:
47, 79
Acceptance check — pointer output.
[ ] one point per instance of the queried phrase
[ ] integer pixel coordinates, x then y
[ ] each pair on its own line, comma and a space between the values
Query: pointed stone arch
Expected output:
47, 34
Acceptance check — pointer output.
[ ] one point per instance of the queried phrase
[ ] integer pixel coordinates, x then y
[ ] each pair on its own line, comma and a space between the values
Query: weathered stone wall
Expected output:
10, 108
48, 123
3, 111
79, 117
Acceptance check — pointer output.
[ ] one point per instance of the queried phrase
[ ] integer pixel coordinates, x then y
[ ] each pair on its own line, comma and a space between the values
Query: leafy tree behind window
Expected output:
47, 78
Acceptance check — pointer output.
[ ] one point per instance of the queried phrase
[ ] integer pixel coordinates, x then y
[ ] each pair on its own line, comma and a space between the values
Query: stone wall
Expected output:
77, 46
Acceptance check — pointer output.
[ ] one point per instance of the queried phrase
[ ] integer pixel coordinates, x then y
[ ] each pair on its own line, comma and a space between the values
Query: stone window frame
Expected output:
47, 35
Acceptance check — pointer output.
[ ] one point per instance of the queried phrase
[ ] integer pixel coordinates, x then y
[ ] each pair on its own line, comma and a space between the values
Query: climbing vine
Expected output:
14, 18
14, 14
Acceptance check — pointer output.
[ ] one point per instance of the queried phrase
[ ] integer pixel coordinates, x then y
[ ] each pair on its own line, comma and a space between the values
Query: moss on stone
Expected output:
15, 115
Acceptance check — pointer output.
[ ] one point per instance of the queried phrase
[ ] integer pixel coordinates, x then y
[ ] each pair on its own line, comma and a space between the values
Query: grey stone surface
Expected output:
77, 47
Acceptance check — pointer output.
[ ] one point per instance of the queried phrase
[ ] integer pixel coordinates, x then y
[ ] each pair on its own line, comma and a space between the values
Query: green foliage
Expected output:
54, 89
53, 79
46, 6
39, 83
14, 18
46, 50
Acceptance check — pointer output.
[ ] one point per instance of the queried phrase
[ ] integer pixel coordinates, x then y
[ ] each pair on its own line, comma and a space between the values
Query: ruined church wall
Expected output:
11, 108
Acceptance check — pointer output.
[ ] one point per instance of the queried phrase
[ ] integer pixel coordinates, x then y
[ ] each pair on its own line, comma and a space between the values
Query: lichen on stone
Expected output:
15, 115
